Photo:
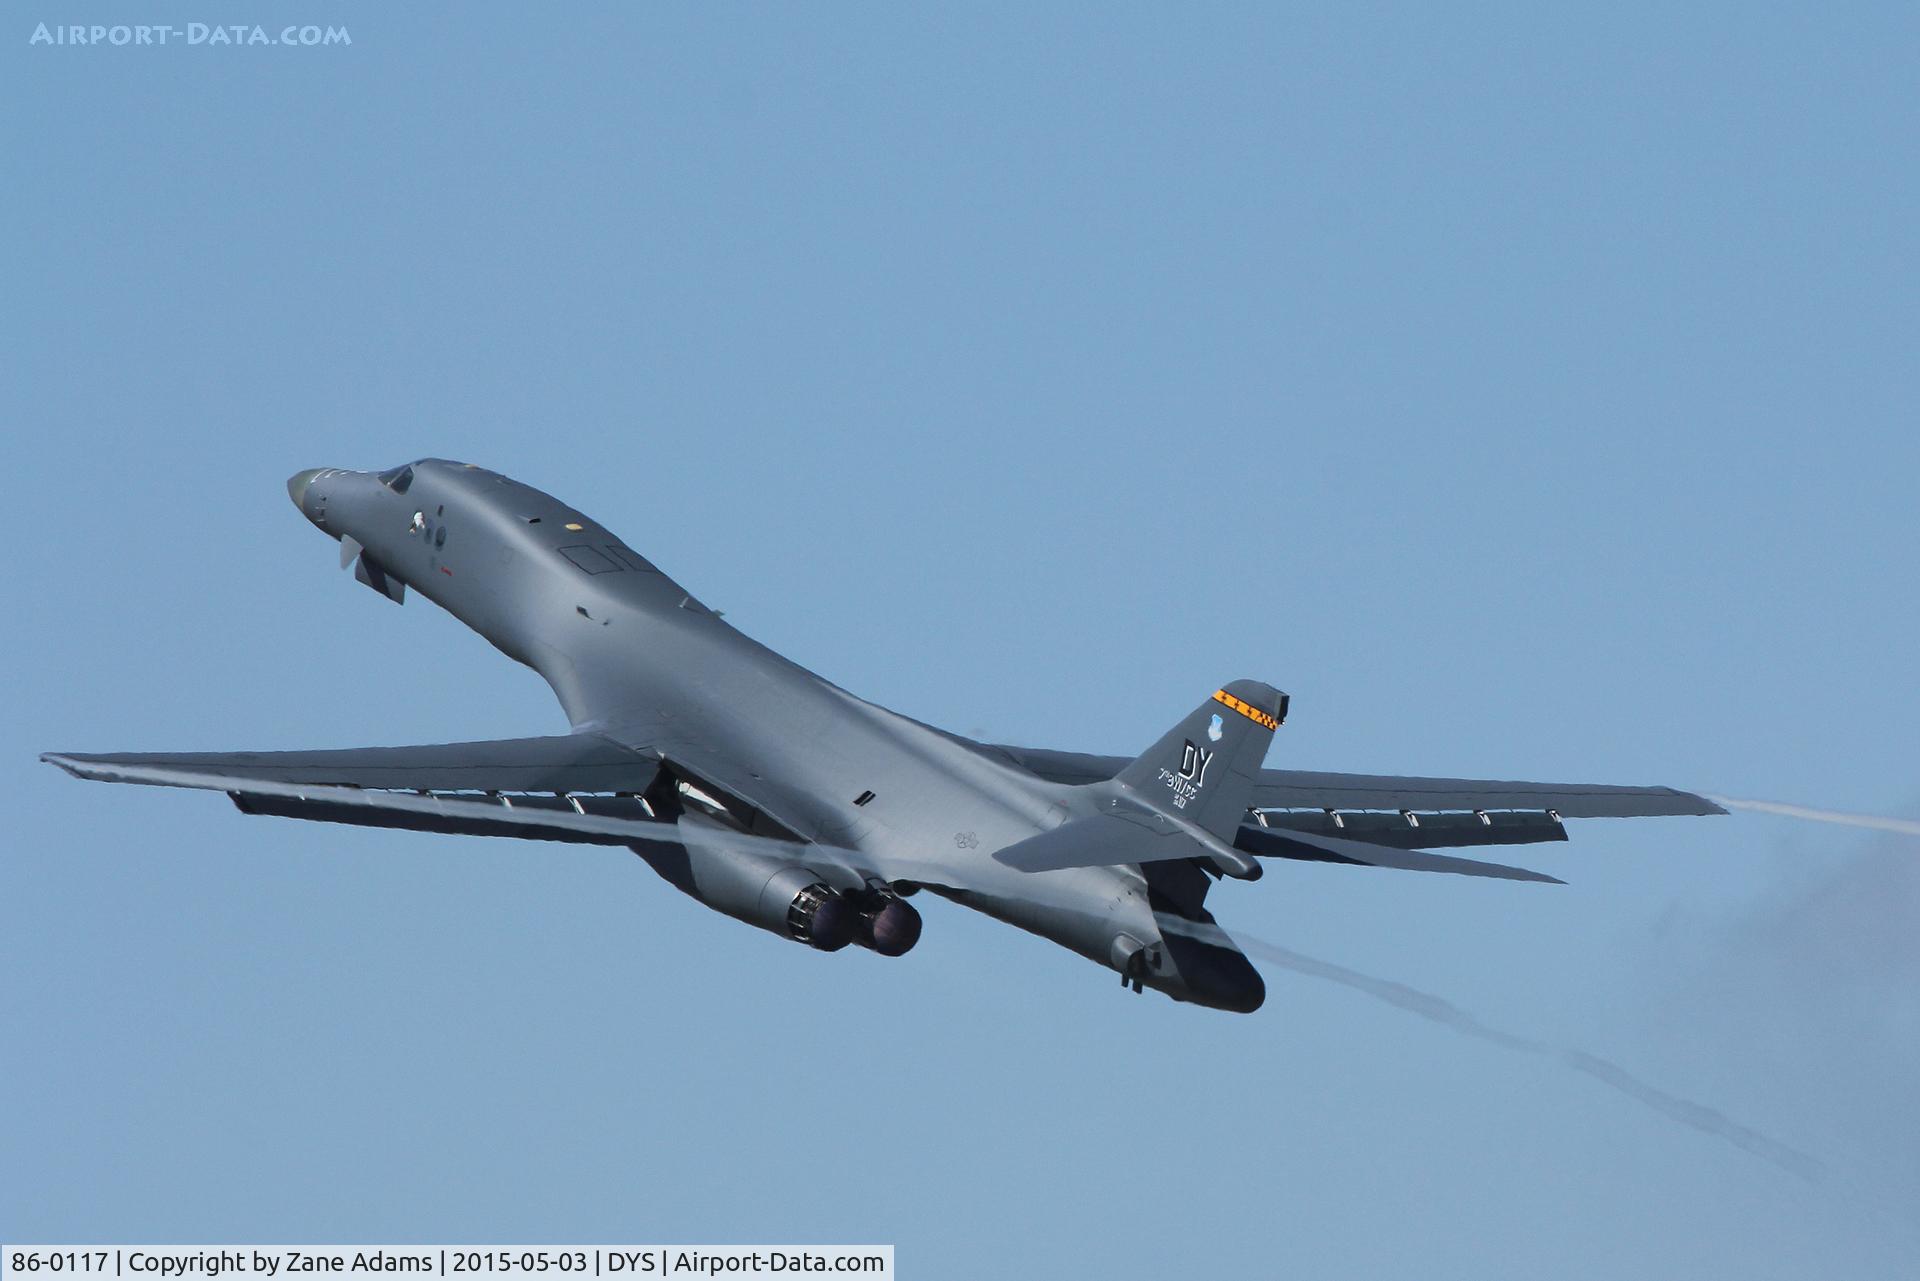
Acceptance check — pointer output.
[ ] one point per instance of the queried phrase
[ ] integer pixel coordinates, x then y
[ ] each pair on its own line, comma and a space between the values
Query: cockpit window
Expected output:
630, 558
590, 560
399, 479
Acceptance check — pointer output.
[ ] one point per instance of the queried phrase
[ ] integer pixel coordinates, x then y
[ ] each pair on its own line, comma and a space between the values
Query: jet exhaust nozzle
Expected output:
891, 928
821, 919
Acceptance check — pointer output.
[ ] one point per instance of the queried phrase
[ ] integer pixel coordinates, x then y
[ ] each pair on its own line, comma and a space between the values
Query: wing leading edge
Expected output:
558, 763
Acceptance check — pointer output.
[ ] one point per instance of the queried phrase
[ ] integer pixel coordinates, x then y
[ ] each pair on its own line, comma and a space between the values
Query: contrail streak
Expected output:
1904, 825
1428, 1006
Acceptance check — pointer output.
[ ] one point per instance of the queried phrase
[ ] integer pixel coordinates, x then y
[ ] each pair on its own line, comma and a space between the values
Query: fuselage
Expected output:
632, 655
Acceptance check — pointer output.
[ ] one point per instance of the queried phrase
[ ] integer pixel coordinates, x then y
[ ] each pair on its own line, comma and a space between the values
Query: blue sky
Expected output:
1531, 394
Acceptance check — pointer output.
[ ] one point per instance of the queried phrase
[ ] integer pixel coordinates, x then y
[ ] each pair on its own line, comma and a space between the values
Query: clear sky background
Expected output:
1530, 394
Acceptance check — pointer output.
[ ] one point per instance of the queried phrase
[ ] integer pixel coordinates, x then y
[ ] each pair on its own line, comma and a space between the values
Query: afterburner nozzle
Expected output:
891, 931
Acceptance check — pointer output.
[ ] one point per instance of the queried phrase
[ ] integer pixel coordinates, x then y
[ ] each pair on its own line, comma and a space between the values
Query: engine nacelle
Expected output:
779, 897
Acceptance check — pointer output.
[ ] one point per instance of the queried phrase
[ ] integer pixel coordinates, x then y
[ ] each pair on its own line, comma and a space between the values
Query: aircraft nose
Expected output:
297, 486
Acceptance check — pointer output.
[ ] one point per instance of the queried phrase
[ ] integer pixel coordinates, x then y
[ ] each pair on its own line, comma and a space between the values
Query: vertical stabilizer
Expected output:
1204, 769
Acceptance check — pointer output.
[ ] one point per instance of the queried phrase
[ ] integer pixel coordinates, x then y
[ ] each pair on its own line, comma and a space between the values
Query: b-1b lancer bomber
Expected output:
774, 796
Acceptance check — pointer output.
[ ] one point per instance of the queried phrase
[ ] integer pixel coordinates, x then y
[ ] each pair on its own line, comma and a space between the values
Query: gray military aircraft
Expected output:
778, 798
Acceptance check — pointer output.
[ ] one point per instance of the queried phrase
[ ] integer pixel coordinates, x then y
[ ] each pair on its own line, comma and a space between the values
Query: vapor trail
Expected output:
1875, 821
1428, 1006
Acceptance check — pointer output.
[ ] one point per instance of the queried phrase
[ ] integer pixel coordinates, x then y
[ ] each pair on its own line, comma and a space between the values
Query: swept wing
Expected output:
1280, 789
577, 788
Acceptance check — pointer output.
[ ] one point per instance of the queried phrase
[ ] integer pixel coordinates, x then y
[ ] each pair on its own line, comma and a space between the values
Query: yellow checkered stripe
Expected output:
1247, 710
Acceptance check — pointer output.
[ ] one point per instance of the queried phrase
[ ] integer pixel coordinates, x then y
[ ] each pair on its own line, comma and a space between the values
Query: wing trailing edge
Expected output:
1315, 848
1111, 840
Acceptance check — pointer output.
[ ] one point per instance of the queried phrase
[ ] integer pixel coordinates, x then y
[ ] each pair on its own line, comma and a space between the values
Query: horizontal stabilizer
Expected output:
1102, 840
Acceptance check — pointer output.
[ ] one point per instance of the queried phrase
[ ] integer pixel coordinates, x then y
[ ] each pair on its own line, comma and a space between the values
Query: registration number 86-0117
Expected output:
59, 1261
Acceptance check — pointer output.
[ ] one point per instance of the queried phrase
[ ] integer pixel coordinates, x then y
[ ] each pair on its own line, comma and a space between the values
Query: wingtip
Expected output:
1709, 805
64, 761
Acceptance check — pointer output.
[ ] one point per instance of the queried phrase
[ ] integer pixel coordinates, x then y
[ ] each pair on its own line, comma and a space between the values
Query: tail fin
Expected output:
1205, 768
